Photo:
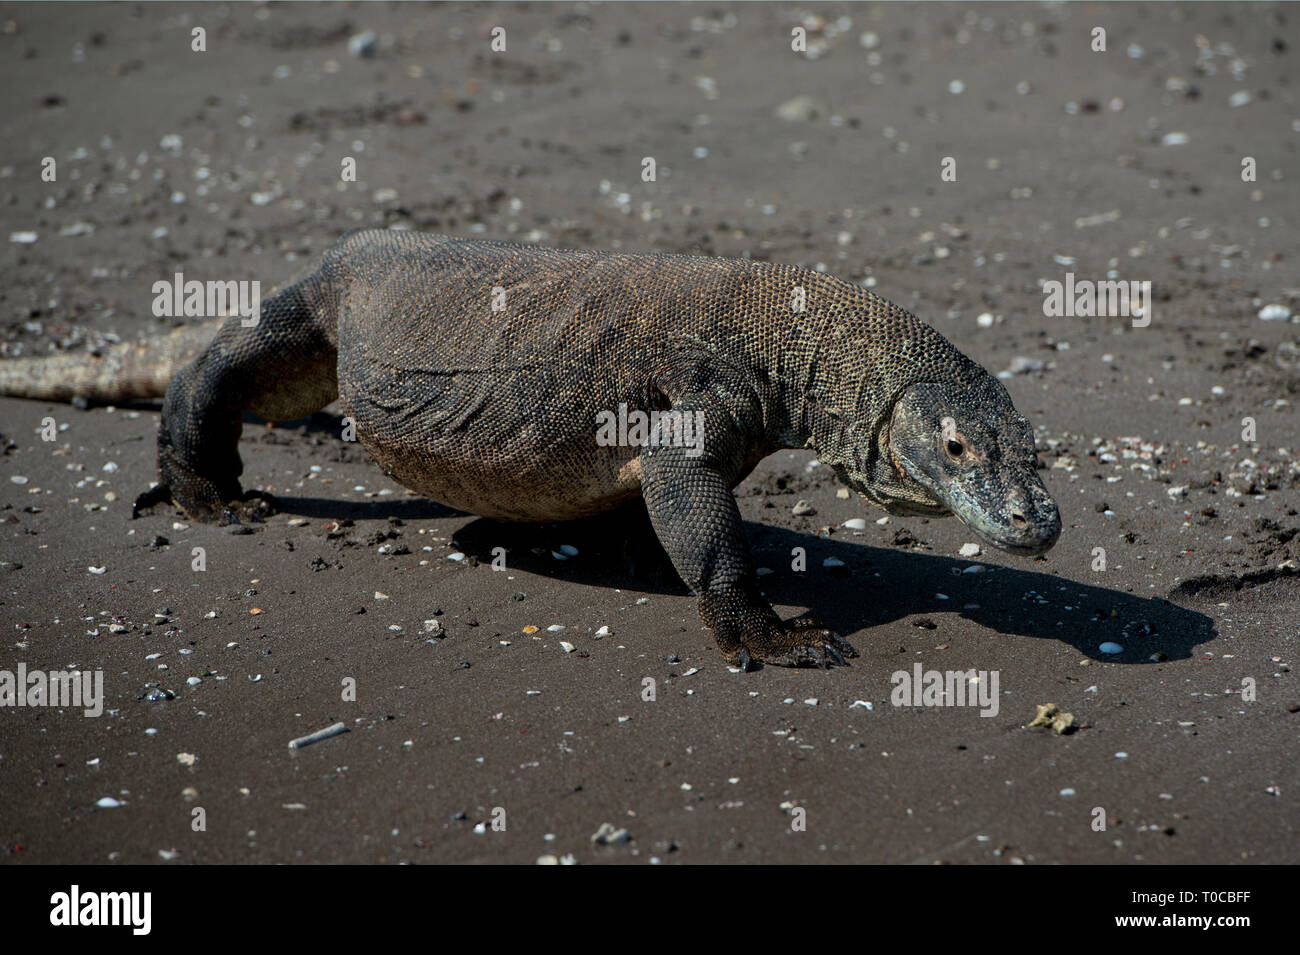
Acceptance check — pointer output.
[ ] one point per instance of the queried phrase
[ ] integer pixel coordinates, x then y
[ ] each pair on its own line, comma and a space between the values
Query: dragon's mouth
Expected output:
1026, 531
1022, 520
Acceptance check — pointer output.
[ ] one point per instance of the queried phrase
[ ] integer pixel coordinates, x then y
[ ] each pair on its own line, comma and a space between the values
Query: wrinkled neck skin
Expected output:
857, 448
822, 393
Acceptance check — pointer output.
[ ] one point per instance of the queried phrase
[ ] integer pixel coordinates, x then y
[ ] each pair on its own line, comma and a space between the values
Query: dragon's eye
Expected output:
956, 449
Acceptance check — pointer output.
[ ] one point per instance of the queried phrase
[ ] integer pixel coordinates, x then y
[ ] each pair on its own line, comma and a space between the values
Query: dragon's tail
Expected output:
116, 373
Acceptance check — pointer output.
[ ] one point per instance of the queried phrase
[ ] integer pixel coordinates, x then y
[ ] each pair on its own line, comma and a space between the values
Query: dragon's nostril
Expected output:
1019, 519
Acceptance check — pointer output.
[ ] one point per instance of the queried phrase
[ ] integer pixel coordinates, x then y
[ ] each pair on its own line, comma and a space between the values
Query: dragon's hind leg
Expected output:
281, 368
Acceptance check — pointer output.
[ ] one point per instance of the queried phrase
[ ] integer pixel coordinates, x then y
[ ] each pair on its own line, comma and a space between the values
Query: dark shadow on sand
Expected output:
876, 585
333, 509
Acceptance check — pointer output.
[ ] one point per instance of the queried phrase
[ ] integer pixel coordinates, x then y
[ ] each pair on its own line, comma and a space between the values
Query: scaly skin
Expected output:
495, 411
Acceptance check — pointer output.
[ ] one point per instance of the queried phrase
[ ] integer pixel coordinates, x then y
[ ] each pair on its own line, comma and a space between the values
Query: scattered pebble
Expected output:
363, 44
608, 835
800, 109
969, 550
1111, 647
1021, 365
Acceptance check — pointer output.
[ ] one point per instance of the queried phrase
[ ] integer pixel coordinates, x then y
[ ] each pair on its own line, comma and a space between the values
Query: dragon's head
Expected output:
964, 449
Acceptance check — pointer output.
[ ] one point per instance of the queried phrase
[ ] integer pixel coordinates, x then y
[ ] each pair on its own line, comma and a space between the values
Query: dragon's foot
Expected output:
749, 633
207, 506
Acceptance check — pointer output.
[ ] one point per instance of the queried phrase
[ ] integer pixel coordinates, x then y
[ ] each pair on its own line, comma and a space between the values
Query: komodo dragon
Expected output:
494, 410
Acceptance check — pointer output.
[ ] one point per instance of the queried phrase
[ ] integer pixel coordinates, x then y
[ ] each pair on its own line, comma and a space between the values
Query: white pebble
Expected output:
855, 524
1275, 313
969, 550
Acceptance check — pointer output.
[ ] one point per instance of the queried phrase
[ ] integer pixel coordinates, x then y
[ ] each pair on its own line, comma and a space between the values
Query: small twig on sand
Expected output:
317, 736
